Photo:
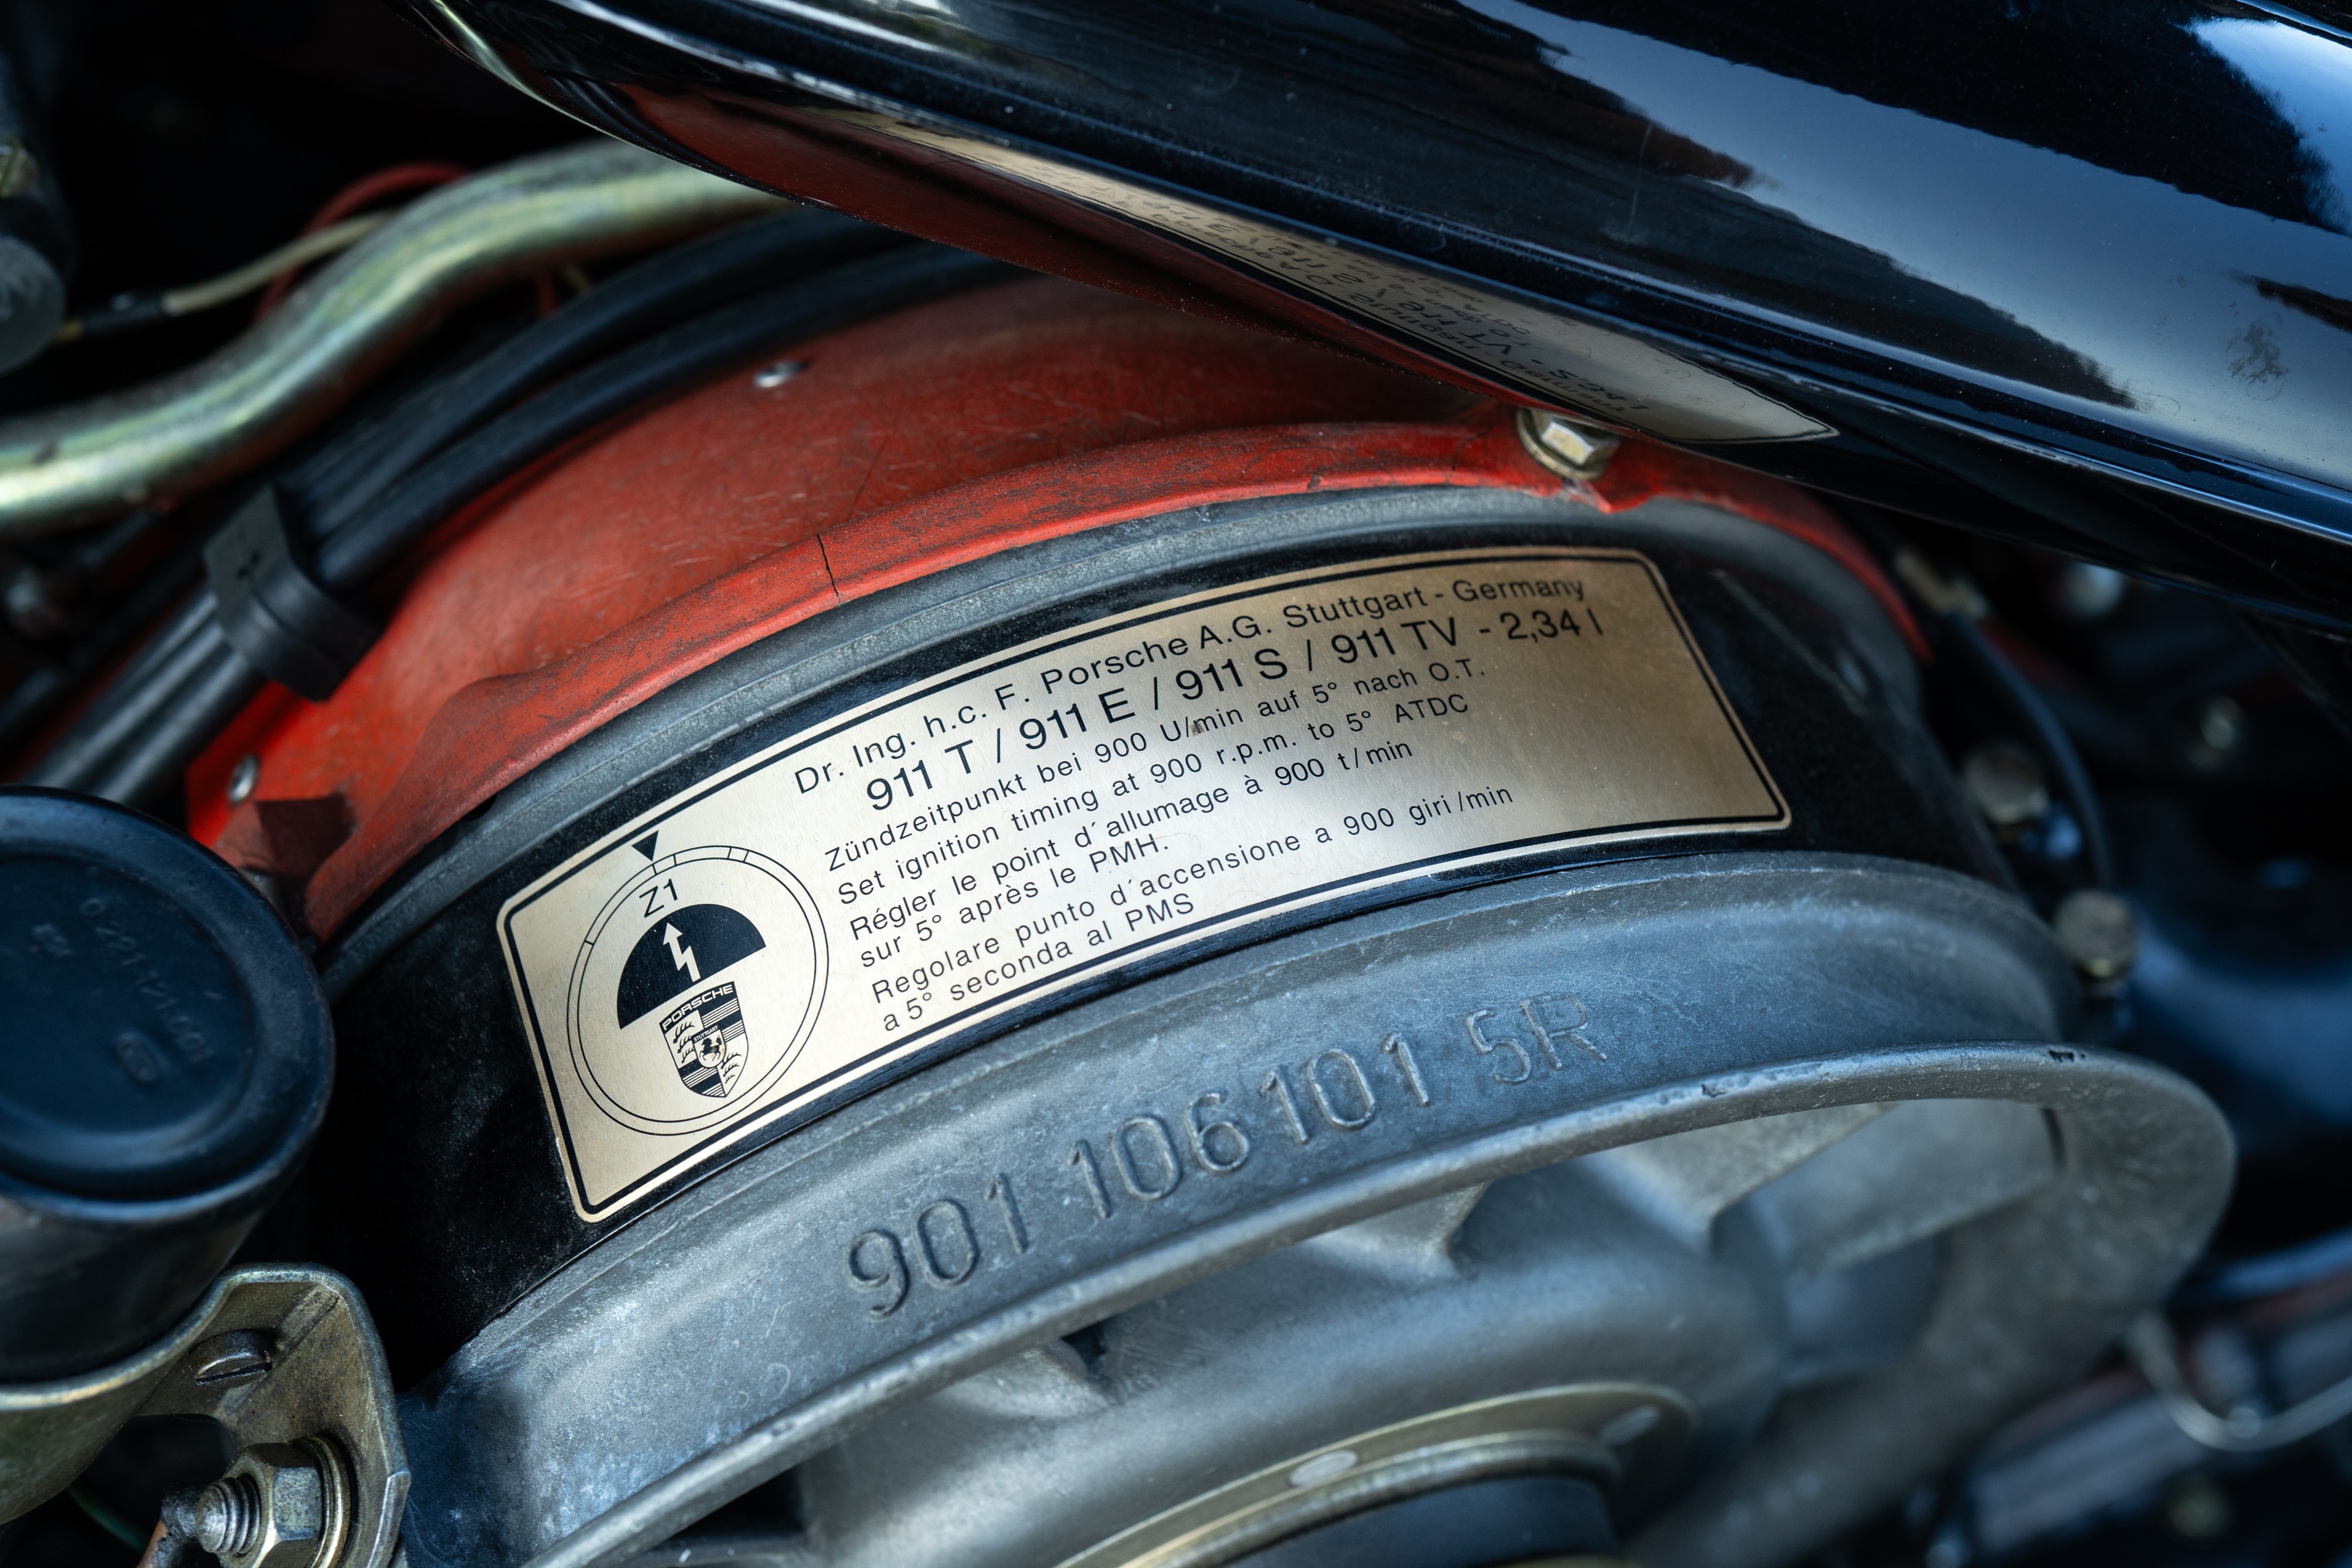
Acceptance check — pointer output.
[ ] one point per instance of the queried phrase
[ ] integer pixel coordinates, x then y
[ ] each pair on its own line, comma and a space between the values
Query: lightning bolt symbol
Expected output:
682, 956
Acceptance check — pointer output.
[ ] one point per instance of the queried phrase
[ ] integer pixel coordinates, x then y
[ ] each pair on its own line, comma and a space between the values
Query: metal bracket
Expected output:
276, 1355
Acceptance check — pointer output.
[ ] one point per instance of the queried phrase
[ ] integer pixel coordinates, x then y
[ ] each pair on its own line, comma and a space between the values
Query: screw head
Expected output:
238, 1357
1570, 448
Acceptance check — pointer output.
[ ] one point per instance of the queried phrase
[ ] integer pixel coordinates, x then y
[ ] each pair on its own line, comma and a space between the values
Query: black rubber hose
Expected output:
652, 295
191, 618
828, 302
99, 726
50, 685
2051, 738
84, 752
199, 709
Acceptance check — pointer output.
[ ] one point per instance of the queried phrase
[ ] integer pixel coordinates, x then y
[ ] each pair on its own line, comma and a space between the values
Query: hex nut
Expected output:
281, 1505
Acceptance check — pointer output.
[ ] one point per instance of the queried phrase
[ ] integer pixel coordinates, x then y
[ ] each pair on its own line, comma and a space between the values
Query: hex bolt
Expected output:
2099, 933
2004, 783
1569, 447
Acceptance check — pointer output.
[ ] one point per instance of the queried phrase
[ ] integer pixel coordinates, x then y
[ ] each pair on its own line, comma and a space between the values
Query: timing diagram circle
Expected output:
696, 988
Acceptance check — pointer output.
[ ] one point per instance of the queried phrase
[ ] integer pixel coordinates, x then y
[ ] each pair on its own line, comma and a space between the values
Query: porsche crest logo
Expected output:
705, 1034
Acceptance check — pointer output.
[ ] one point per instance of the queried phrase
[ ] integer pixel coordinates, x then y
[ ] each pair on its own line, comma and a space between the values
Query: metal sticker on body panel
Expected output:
983, 839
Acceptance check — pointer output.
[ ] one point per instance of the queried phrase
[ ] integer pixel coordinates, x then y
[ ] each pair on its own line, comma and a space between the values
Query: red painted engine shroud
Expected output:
938, 436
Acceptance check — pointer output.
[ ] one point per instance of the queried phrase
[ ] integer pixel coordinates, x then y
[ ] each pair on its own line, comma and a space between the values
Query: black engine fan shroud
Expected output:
439, 1147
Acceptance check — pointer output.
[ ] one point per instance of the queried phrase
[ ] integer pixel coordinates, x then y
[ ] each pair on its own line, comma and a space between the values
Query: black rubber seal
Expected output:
168, 1058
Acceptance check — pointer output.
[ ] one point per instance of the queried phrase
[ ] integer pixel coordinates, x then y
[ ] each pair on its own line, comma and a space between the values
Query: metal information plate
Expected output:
990, 836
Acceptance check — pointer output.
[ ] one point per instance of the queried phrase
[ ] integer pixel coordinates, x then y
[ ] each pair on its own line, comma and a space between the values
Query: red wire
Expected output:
353, 197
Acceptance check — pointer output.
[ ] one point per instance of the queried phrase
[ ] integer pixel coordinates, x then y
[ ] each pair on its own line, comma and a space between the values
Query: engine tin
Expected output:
1126, 1149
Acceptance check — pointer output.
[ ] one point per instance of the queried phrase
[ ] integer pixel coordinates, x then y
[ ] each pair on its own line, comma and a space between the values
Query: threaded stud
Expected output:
228, 1516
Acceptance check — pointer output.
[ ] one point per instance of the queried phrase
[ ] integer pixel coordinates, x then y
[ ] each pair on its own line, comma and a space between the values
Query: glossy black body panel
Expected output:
2078, 275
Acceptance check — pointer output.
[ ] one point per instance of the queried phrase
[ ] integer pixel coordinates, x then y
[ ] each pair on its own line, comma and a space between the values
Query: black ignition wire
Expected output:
137, 740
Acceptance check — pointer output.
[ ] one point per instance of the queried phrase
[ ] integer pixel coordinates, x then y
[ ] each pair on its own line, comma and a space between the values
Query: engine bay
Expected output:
749, 824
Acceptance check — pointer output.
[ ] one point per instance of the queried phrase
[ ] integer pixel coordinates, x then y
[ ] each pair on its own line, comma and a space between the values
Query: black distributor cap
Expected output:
167, 1045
